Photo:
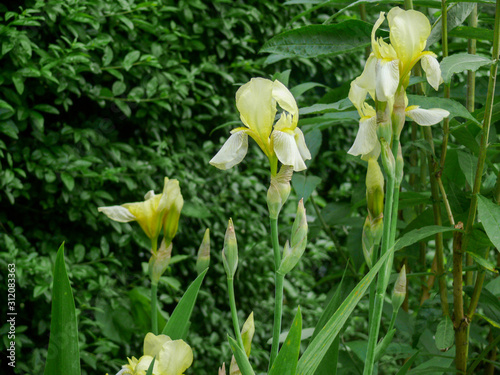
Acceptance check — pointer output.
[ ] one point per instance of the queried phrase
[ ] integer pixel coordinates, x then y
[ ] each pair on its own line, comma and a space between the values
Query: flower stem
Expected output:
278, 303
234, 312
154, 312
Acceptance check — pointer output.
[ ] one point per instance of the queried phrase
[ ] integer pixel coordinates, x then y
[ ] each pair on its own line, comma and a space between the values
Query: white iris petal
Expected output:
232, 152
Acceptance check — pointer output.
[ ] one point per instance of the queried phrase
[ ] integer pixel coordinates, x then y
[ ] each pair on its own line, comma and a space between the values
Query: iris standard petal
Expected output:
387, 73
257, 107
365, 83
426, 116
147, 215
232, 152
117, 213
174, 358
409, 31
366, 139
153, 343
432, 70
286, 100
287, 150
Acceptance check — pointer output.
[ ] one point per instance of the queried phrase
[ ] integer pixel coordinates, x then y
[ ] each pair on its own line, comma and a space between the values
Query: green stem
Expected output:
278, 303
234, 312
459, 323
154, 312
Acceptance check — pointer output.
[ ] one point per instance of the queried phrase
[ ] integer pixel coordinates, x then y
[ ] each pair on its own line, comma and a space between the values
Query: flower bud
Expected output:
279, 190
293, 252
399, 165
372, 234
399, 292
222, 370
203, 260
374, 189
173, 211
387, 158
159, 261
247, 332
230, 251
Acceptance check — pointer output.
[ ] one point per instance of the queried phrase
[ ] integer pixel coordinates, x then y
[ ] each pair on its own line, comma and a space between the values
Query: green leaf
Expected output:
445, 336
468, 165
177, 325
151, 366
47, 108
303, 87
455, 108
68, 181
417, 235
18, 83
63, 356
118, 88
123, 106
468, 32
489, 214
37, 120
321, 40
241, 357
9, 128
460, 62
130, 59
304, 185
456, 17
317, 349
286, 361
382, 345
484, 263
107, 57
403, 370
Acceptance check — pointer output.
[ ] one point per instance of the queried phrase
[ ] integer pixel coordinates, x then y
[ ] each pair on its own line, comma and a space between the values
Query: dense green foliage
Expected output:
101, 100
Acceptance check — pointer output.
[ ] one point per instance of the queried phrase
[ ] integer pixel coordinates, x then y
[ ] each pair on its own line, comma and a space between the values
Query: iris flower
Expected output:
256, 101
172, 357
154, 213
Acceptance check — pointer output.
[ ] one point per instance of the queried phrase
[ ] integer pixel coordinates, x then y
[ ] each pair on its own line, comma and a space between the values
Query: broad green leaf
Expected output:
468, 165
9, 128
303, 87
119, 88
489, 214
317, 349
417, 235
484, 263
321, 40
472, 33
130, 59
324, 108
37, 120
456, 17
18, 83
68, 181
491, 321
47, 108
123, 106
460, 62
445, 335
176, 326
241, 357
63, 356
286, 361
304, 185
455, 108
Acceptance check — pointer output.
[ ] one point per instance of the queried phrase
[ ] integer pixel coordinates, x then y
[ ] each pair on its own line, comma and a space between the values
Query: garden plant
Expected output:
327, 180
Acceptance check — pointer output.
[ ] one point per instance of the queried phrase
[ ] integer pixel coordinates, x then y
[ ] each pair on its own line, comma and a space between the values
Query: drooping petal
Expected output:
301, 144
286, 100
117, 213
287, 150
387, 73
154, 343
364, 84
432, 70
257, 107
426, 117
409, 31
174, 358
232, 152
366, 139
375, 46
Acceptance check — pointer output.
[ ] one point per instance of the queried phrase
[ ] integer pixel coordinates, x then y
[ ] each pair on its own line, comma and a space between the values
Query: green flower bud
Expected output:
374, 188
203, 260
399, 292
293, 252
299, 228
372, 234
230, 251
159, 261
279, 190
247, 332
173, 211
387, 158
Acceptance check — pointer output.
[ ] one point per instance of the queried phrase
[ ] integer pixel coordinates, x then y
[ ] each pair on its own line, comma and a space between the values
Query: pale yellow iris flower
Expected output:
256, 101
172, 357
388, 68
154, 213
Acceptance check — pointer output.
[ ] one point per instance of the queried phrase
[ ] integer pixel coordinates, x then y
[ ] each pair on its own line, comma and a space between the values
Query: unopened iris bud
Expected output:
387, 158
293, 252
230, 251
173, 212
372, 234
203, 260
399, 165
279, 190
399, 292
374, 188
247, 332
159, 261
